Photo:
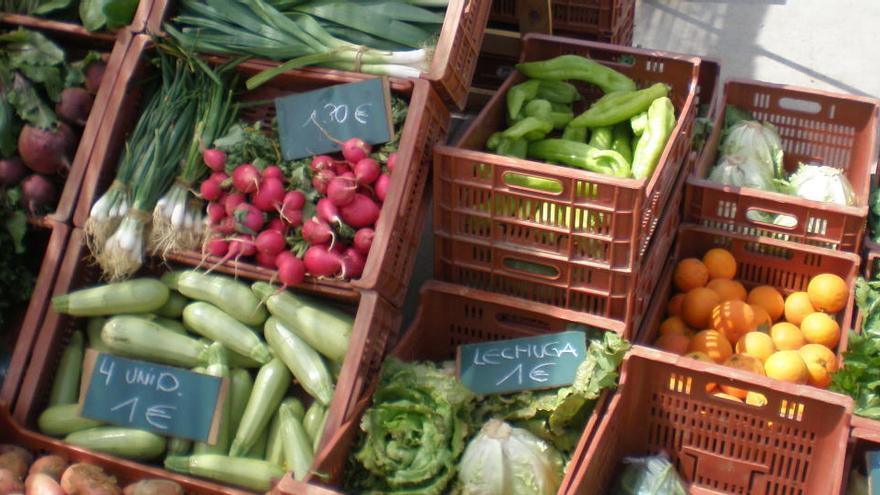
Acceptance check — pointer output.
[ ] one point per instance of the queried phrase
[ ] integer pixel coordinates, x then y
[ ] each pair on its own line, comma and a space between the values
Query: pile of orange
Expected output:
713, 317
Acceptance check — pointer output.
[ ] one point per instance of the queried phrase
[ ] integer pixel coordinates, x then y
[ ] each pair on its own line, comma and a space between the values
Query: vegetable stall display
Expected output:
93, 15
858, 375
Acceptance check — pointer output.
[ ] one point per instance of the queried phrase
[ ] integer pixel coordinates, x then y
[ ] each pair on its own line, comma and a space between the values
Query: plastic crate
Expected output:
448, 316
576, 17
76, 43
864, 436
46, 242
815, 126
455, 54
397, 232
375, 322
793, 444
788, 266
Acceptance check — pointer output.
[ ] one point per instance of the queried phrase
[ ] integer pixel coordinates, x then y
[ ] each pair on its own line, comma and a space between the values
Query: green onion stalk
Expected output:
179, 222
123, 252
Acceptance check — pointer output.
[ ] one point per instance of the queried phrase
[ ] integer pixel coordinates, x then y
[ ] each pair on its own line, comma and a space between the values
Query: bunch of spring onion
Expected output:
168, 129
178, 219
384, 37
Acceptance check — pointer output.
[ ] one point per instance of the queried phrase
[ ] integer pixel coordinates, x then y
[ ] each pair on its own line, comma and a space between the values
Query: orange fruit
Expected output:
797, 306
828, 292
720, 263
699, 356
674, 306
690, 273
819, 328
756, 399
756, 344
729, 290
787, 366
712, 343
674, 343
742, 362
762, 319
768, 298
734, 319
696, 308
673, 324
787, 337
821, 364
727, 396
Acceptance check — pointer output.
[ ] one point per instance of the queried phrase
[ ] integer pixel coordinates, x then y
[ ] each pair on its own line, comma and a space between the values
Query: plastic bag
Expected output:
651, 475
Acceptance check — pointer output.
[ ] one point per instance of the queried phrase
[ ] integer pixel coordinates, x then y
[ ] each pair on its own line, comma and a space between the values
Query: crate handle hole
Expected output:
531, 268
771, 219
800, 105
542, 185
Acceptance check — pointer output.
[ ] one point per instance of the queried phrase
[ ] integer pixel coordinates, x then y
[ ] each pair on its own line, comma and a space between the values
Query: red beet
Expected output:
210, 190
361, 212
367, 171
319, 262
94, 74
37, 194
341, 191
382, 184
355, 150
315, 231
353, 263
363, 240
215, 159
74, 106
321, 162
12, 170
46, 151
269, 195
246, 178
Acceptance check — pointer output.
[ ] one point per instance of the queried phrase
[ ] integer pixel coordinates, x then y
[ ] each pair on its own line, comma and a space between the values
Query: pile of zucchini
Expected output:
219, 326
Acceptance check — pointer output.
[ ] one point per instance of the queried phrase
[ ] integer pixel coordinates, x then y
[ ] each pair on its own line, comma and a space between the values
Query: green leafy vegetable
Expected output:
860, 375
76, 75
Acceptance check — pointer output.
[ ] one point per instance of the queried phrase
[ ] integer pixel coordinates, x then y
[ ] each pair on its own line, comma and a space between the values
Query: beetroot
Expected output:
270, 194
216, 212
215, 159
94, 74
315, 231
353, 263
231, 202
366, 171
321, 162
46, 151
392, 160
37, 194
217, 247
319, 262
363, 240
210, 190
248, 219
273, 171
341, 191
270, 242
321, 179
361, 212
246, 178
265, 260
291, 270
382, 184
355, 150
74, 106
12, 170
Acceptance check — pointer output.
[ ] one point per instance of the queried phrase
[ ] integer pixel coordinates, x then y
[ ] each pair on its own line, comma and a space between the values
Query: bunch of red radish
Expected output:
252, 213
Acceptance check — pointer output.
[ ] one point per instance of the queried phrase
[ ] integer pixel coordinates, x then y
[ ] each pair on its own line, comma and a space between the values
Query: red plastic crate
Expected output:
376, 320
397, 232
835, 129
46, 242
788, 266
455, 54
795, 443
576, 17
449, 316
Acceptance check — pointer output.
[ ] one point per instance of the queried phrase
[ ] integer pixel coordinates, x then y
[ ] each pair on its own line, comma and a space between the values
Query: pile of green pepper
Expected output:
627, 128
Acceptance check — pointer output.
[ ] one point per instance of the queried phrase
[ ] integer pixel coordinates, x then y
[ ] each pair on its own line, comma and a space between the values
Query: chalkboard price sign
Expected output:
162, 399
311, 123
503, 366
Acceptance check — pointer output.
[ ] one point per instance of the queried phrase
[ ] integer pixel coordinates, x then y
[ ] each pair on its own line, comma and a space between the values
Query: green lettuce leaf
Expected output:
23, 48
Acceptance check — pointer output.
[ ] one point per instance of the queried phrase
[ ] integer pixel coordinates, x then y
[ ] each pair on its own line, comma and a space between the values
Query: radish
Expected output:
216, 212
248, 219
270, 242
392, 159
291, 270
321, 179
215, 159
362, 212
265, 260
355, 150
315, 231
367, 171
273, 171
94, 74
246, 178
363, 240
382, 184
74, 106
12, 170
246, 245
294, 218
283, 256
353, 263
319, 262
349, 175
231, 202
217, 247
270, 194
291, 207
321, 162
37, 194
341, 191
210, 190
277, 224
295, 200
341, 167
220, 177
46, 151
226, 226
328, 212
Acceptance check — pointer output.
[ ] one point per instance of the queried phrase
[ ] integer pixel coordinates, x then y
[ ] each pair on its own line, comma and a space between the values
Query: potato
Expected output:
153, 487
88, 479
42, 484
15, 459
10, 483
51, 465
